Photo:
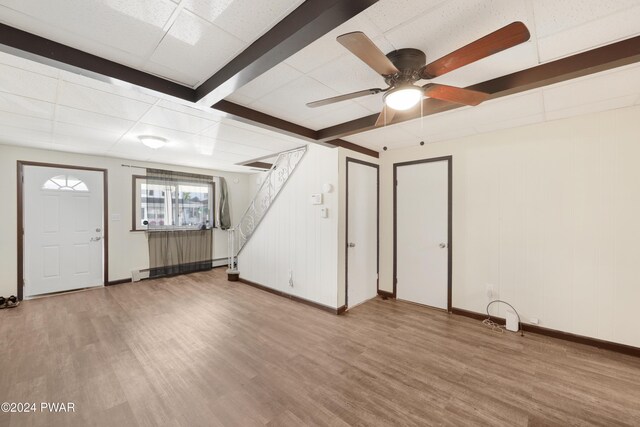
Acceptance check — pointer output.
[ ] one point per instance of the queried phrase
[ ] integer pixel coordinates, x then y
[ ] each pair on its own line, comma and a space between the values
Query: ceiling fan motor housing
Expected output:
409, 62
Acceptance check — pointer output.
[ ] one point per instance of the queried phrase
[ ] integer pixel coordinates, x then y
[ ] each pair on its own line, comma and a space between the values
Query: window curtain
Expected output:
224, 219
179, 211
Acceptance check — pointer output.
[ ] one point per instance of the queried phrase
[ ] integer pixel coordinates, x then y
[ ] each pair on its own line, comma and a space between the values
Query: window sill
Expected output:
178, 229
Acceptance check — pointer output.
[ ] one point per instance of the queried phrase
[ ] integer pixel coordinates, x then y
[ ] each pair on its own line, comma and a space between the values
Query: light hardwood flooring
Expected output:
197, 350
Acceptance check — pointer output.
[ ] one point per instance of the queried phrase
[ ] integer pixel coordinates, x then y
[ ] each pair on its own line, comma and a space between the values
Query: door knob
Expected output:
352, 245
442, 245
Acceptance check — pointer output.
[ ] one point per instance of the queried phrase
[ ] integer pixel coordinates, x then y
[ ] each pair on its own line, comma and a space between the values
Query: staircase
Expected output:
273, 182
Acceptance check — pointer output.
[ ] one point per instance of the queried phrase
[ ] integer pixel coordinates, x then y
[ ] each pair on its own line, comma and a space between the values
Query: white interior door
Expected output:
362, 233
422, 224
63, 223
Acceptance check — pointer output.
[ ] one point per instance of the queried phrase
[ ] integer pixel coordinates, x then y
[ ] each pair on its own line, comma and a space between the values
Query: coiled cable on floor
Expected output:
496, 326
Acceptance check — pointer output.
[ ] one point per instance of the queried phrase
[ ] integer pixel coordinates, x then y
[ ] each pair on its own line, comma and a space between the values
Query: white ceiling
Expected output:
608, 90
186, 41
43, 107
325, 68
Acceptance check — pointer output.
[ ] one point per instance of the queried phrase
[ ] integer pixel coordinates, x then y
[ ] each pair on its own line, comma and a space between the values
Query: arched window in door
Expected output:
65, 183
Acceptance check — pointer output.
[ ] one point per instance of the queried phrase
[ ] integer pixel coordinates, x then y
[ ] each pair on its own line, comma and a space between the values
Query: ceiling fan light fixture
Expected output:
403, 97
151, 141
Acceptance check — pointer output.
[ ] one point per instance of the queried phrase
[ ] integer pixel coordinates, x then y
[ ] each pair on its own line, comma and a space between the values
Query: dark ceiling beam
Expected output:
259, 165
593, 61
265, 121
310, 21
48, 52
61, 56
256, 118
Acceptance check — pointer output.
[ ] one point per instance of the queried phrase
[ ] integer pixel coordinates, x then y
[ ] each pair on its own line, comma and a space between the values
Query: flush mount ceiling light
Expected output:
151, 141
403, 97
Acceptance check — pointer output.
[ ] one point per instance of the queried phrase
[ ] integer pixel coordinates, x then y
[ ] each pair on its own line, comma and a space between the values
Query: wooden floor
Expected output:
200, 351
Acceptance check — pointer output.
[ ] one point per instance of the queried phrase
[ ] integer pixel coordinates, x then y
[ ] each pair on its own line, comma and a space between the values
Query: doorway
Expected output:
62, 228
361, 232
422, 232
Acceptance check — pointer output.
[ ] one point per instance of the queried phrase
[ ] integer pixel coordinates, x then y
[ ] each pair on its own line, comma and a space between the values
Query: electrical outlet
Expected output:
534, 321
490, 292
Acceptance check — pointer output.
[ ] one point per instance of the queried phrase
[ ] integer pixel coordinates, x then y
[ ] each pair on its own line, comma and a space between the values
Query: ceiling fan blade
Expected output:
504, 38
454, 94
344, 97
362, 47
385, 117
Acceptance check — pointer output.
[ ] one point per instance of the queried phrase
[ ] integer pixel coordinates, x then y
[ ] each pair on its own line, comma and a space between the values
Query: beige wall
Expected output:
549, 214
294, 239
127, 250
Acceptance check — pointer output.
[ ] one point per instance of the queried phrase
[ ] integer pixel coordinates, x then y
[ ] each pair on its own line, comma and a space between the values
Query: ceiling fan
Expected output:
402, 68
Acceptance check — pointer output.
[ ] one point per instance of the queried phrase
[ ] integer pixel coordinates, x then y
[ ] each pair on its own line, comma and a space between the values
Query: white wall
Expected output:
550, 215
127, 250
294, 238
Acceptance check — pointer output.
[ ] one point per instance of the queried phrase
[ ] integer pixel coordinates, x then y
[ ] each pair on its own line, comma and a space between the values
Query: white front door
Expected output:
362, 232
422, 229
63, 229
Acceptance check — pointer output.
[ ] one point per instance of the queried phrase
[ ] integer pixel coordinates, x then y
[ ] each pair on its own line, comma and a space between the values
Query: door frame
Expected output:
20, 229
449, 160
346, 228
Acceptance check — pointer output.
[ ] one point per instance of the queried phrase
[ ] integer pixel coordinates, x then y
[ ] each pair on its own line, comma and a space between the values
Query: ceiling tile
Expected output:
197, 44
385, 136
611, 84
326, 48
242, 18
455, 24
27, 83
276, 77
347, 74
187, 107
185, 77
84, 98
510, 123
336, 113
70, 134
593, 33
92, 120
26, 106
28, 65
8, 119
552, 16
592, 107
24, 137
135, 27
388, 14
229, 131
166, 118
111, 86
293, 105
211, 146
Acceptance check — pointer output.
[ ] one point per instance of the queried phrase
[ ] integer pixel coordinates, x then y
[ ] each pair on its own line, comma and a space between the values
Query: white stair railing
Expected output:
274, 181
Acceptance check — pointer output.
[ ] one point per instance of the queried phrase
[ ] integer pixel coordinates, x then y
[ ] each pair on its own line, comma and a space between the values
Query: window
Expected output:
175, 203
65, 183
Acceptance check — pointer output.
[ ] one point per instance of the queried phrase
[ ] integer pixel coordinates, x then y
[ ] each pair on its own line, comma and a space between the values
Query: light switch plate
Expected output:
316, 199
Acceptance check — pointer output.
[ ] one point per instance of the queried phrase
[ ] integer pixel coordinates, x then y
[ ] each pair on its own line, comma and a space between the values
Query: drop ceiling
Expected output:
43, 107
558, 29
187, 41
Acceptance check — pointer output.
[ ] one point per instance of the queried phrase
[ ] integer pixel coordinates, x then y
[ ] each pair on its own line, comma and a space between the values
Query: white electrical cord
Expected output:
495, 326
